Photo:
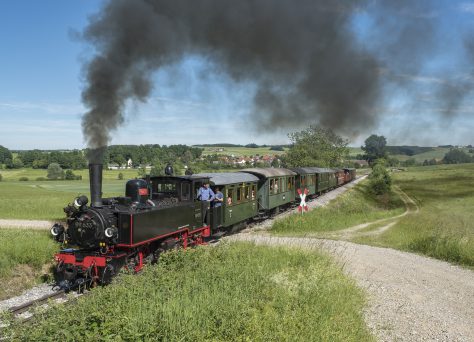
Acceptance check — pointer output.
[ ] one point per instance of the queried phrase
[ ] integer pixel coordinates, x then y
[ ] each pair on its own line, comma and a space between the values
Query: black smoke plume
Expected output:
303, 56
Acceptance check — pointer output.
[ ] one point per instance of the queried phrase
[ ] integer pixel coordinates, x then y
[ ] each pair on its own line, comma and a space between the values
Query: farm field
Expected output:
23, 256
245, 293
438, 154
44, 200
239, 151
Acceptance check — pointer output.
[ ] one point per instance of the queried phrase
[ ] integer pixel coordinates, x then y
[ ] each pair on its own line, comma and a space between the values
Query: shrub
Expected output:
23, 179
69, 175
41, 179
1, 177
380, 181
120, 176
55, 171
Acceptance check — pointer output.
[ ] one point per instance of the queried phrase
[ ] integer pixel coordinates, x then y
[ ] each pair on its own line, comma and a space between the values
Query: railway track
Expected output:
26, 307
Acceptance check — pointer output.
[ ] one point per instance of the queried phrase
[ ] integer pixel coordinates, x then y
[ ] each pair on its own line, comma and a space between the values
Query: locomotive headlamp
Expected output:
57, 229
110, 232
80, 201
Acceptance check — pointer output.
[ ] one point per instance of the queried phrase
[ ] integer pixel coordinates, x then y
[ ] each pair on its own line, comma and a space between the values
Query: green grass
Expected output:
22, 255
352, 208
438, 153
241, 151
230, 292
444, 227
45, 200
32, 174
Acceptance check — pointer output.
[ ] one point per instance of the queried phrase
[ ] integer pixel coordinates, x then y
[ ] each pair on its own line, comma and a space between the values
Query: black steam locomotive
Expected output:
160, 213
127, 231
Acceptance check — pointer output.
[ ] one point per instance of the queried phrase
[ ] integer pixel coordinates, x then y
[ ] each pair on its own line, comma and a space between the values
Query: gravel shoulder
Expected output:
25, 224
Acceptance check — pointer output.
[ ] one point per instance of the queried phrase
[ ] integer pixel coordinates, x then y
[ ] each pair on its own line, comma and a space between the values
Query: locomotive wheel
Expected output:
107, 274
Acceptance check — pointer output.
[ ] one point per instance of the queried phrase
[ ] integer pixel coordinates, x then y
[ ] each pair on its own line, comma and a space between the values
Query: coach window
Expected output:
229, 197
289, 183
239, 194
247, 192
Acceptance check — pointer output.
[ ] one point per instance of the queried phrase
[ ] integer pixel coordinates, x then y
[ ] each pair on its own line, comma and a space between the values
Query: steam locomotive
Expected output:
161, 213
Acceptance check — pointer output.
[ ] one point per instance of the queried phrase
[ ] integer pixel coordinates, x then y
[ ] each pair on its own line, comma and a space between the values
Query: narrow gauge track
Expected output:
25, 307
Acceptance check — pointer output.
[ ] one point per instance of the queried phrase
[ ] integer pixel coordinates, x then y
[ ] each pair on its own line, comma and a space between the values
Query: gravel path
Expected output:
346, 234
25, 224
411, 298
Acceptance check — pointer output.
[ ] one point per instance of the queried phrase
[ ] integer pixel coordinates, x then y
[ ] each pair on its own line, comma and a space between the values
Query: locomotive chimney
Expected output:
95, 177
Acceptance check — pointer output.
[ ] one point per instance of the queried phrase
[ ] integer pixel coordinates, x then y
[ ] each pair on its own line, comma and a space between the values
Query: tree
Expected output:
375, 148
380, 181
316, 146
5, 154
277, 148
120, 176
55, 171
457, 156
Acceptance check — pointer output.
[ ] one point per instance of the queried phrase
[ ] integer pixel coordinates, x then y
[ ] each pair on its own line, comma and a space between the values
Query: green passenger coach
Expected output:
276, 188
240, 200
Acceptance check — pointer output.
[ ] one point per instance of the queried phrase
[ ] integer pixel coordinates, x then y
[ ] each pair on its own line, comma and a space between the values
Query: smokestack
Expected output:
95, 177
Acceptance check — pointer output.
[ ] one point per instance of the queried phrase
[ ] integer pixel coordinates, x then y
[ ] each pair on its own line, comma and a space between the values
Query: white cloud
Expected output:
467, 7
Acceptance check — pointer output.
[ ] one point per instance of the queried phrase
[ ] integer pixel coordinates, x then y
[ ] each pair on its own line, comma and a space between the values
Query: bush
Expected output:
69, 175
120, 176
41, 179
55, 171
380, 181
1, 177
23, 179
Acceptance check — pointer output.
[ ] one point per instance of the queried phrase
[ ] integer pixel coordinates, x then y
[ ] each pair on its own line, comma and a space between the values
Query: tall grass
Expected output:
444, 226
20, 247
232, 292
354, 207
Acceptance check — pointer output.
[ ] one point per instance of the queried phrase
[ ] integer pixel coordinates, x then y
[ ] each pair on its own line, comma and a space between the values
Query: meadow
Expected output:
23, 254
44, 200
351, 208
240, 151
444, 226
230, 292
437, 153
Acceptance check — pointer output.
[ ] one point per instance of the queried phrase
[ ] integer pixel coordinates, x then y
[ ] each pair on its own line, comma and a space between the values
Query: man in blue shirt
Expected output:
205, 194
219, 198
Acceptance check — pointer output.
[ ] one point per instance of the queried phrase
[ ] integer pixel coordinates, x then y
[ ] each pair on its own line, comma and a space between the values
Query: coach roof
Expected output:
224, 178
269, 172
310, 170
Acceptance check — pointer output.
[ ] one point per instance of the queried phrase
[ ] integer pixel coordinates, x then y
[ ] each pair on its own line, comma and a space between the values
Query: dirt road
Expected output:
411, 298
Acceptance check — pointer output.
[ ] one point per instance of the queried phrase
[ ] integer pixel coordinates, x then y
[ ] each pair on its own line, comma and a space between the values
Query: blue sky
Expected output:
40, 87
